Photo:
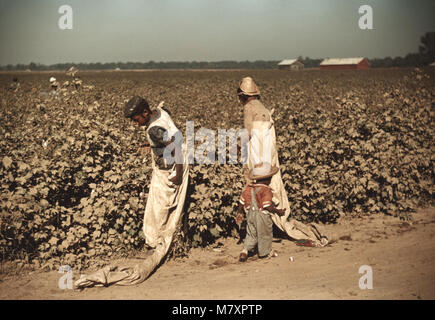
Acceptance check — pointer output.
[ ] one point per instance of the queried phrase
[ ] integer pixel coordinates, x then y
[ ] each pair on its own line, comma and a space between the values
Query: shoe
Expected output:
272, 254
243, 256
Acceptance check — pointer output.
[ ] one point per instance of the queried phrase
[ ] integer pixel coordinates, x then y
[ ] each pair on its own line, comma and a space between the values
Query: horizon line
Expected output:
199, 61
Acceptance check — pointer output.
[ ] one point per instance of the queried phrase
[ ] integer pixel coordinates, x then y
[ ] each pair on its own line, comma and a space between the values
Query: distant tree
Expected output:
413, 60
388, 62
397, 62
311, 63
427, 47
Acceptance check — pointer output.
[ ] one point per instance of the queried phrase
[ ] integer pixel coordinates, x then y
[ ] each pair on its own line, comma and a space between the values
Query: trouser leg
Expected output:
264, 229
251, 231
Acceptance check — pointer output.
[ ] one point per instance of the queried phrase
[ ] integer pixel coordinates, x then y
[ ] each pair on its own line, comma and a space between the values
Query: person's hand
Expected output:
239, 218
280, 212
177, 180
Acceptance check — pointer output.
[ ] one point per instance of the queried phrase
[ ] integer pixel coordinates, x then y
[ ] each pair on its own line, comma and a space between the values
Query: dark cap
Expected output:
135, 106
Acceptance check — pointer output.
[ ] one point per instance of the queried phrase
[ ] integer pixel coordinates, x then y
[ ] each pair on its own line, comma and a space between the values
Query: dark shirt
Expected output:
158, 136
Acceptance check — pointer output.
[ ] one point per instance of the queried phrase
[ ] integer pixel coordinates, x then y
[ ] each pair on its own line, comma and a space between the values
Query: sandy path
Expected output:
401, 254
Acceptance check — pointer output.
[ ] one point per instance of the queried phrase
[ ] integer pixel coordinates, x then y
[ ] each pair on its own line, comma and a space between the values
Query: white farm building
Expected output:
290, 64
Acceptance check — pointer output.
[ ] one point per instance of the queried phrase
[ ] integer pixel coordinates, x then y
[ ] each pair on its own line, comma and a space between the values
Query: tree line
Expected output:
425, 56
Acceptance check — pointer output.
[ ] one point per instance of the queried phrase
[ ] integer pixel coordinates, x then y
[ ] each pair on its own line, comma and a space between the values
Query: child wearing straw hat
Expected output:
256, 200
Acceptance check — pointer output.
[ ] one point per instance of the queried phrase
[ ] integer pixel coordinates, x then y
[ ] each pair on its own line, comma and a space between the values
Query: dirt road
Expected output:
401, 255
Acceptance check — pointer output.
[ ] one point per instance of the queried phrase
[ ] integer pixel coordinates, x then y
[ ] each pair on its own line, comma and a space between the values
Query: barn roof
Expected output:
287, 62
341, 61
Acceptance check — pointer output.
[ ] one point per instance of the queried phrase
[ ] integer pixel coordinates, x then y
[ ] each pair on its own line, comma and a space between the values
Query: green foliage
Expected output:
357, 160
344, 158
74, 186
212, 202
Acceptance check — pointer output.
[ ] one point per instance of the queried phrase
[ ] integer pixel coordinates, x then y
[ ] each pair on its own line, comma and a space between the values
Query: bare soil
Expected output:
401, 254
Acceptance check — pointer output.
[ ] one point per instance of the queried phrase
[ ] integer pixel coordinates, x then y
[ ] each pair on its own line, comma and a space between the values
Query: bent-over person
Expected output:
165, 201
169, 169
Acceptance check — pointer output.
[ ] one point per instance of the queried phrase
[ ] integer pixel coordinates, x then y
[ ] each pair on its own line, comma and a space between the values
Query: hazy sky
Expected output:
208, 30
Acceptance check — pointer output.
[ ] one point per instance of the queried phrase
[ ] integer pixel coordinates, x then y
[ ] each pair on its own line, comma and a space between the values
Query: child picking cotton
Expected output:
256, 201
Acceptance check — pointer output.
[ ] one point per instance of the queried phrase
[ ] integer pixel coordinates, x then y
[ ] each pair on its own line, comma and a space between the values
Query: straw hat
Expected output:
248, 87
262, 171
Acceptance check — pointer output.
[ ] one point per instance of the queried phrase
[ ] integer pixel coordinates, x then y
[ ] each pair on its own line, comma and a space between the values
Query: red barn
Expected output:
344, 63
